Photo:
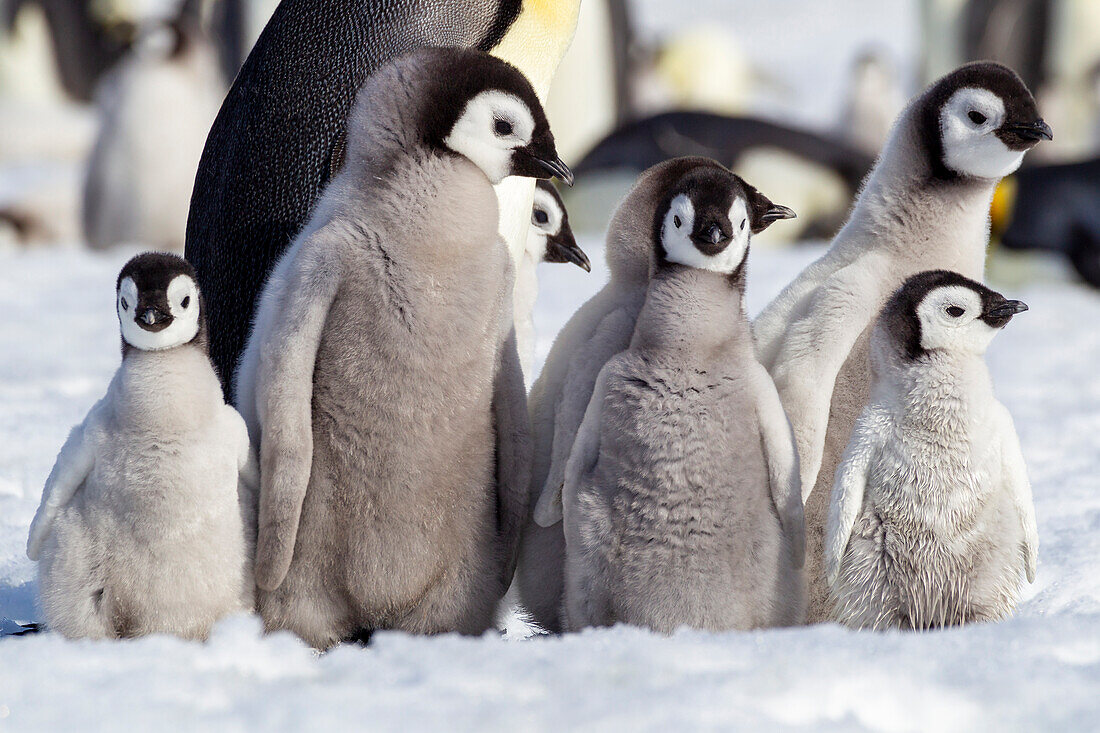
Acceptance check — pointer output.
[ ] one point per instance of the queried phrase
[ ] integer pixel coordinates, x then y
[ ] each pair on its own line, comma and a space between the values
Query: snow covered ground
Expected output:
1041, 670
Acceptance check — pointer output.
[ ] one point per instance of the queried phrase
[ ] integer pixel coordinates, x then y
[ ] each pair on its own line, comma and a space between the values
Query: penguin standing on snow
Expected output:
600, 328
143, 523
681, 500
281, 129
550, 239
382, 375
931, 522
925, 204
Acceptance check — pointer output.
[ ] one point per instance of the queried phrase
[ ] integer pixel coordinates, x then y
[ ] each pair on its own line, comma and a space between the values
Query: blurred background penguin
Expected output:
800, 106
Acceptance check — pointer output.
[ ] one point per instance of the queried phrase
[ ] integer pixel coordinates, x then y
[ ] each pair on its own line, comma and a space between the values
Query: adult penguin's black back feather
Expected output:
269, 151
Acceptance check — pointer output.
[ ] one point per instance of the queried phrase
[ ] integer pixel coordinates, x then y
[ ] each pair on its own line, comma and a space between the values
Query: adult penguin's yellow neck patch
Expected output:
538, 39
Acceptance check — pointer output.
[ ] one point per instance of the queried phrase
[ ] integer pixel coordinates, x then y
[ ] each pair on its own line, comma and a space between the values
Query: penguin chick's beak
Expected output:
540, 160
999, 315
153, 319
563, 248
1024, 135
777, 212
709, 235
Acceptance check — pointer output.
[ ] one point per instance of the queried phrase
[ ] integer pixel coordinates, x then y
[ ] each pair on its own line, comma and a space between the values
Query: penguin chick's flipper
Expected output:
1015, 477
848, 490
514, 453
582, 459
782, 461
74, 463
285, 382
806, 372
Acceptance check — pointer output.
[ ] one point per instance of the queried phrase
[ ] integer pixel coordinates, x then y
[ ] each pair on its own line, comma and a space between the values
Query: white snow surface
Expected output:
59, 346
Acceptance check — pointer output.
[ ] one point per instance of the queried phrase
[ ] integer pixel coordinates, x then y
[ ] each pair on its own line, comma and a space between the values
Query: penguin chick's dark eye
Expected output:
125, 305
742, 225
186, 301
955, 311
976, 117
676, 221
541, 217
503, 127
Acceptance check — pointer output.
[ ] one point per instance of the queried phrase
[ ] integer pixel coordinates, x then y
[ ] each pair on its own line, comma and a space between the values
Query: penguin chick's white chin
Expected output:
183, 308
493, 124
968, 123
676, 239
950, 319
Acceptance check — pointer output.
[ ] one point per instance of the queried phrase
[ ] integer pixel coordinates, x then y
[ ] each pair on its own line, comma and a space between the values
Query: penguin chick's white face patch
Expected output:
676, 237
546, 215
546, 218
950, 319
137, 319
968, 123
493, 124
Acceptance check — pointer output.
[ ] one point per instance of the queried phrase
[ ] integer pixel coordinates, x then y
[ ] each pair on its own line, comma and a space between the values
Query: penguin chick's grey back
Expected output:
913, 214
931, 520
388, 391
681, 497
600, 328
268, 155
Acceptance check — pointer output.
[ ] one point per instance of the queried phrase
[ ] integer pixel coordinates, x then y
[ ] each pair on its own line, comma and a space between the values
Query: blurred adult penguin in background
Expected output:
155, 110
281, 128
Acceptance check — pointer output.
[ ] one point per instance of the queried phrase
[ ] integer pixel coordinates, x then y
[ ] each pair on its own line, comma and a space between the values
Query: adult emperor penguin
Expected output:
600, 328
549, 239
281, 128
925, 204
382, 372
681, 500
931, 521
144, 521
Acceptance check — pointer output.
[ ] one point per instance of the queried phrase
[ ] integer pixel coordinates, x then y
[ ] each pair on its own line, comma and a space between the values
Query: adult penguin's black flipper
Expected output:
270, 150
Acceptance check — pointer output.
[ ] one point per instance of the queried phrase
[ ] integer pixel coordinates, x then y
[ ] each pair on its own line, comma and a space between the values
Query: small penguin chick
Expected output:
931, 519
681, 503
145, 522
549, 239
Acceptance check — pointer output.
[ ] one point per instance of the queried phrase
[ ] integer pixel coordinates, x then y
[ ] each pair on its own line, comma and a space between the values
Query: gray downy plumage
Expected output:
924, 205
681, 500
381, 375
143, 525
931, 521
600, 328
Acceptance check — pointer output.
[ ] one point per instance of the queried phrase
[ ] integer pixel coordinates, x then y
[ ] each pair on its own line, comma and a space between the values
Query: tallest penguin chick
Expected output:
385, 382
924, 206
280, 128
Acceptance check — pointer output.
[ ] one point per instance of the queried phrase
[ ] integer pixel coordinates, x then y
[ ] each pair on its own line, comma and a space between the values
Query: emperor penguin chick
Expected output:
143, 525
550, 239
925, 205
600, 328
681, 501
931, 522
382, 376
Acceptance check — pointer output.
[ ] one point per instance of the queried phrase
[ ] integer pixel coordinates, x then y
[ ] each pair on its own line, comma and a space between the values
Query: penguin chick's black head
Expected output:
943, 310
978, 121
552, 233
158, 303
485, 109
707, 216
